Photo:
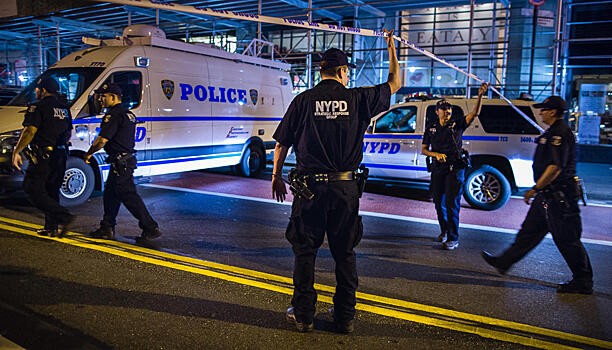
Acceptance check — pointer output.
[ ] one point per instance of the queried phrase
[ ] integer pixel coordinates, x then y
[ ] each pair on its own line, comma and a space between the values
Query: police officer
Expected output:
442, 142
555, 206
117, 133
325, 125
47, 128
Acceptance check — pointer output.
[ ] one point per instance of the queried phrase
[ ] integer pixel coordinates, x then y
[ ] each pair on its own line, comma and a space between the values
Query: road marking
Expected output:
487, 327
366, 213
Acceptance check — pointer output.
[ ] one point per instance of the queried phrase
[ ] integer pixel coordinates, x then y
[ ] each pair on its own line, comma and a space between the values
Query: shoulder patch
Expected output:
106, 118
31, 109
556, 141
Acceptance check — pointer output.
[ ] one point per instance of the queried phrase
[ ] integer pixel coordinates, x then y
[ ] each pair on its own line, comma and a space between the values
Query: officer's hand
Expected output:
17, 161
441, 157
389, 38
279, 190
86, 158
528, 195
483, 89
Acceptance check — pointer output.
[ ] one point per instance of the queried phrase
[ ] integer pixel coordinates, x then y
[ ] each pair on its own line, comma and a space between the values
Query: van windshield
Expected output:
72, 81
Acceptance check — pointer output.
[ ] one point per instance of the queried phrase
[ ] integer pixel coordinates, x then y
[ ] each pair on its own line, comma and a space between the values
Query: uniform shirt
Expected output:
446, 139
557, 146
52, 120
118, 127
326, 125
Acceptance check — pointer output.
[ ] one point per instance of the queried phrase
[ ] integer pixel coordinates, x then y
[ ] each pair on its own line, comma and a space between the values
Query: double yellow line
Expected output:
483, 326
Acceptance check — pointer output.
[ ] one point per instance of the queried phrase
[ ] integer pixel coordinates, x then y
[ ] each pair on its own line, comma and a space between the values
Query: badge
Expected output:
168, 88
556, 141
254, 95
31, 109
106, 118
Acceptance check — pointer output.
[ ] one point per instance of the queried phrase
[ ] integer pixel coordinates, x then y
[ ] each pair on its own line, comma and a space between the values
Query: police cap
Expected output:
48, 84
552, 102
335, 58
109, 89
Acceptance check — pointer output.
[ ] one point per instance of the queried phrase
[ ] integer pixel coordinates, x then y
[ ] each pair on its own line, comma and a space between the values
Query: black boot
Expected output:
103, 232
494, 261
576, 287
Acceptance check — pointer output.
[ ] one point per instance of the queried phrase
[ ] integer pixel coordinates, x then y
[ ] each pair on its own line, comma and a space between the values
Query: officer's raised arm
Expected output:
469, 118
394, 77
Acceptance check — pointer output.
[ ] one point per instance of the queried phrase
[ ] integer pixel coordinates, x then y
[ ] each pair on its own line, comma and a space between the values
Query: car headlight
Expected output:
8, 141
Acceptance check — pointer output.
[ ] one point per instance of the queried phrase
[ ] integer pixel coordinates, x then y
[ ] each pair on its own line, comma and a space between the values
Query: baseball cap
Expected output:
48, 84
552, 102
110, 89
335, 58
443, 104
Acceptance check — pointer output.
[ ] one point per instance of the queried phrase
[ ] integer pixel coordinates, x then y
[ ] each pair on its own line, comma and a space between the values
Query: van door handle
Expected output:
407, 142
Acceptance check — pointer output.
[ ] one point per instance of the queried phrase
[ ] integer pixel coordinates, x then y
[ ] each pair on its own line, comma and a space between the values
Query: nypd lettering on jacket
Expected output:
215, 94
331, 109
60, 113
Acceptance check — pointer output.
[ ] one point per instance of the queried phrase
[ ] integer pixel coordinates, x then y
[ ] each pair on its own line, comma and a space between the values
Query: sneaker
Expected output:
150, 234
103, 232
575, 287
442, 238
301, 327
341, 327
450, 245
494, 261
47, 232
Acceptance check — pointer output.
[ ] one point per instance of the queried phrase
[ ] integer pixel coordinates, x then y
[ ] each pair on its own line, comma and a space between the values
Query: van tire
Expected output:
486, 188
78, 184
252, 163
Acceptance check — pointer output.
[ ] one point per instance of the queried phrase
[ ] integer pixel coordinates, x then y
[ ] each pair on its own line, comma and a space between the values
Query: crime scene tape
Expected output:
156, 4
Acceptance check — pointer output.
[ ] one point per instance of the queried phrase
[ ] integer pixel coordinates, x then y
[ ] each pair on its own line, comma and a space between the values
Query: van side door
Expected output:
389, 150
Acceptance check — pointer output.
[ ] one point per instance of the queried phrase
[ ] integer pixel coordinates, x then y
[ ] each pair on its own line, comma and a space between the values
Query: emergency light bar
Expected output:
156, 4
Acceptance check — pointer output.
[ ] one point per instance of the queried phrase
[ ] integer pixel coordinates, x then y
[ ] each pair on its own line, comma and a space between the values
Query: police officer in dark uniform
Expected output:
442, 141
47, 128
117, 133
325, 125
555, 206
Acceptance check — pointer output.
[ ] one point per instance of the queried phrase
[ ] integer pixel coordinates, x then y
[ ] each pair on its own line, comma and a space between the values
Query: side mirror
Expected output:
370, 129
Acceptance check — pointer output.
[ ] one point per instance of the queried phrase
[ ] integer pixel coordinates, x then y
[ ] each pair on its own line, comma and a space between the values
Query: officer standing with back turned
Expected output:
47, 128
325, 125
555, 206
117, 133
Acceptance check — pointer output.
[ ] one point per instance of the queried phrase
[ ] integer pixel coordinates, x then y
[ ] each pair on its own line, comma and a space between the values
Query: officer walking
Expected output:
442, 141
47, 128
555, 206
117, 133
325, 125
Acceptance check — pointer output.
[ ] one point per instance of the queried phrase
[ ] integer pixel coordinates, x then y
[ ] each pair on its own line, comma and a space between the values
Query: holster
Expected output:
119, 163
36, 153
362, 177
299, 186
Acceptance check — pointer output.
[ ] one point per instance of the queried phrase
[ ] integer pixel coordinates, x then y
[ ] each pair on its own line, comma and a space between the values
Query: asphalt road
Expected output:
220, 278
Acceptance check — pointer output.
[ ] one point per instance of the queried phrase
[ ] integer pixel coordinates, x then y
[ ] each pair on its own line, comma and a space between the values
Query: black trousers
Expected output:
121, 189
446, 189
546, 215
335, 210
42, 184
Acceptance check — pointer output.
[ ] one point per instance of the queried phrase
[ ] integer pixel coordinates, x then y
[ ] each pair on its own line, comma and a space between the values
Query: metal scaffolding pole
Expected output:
557, 46
40, 51
468, 93
565, 51
57, 45
309, 57
492, 49
505, 51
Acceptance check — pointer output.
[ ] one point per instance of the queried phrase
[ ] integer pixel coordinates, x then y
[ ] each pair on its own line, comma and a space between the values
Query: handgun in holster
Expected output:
362, 176
580, 190
299, 186
35, 153
119, 162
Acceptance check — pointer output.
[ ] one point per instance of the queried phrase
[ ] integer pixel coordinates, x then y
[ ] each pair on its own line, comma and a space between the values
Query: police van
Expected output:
198, 107
501, 144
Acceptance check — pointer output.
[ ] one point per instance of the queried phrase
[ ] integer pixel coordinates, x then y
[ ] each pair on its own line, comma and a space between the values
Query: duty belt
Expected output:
333, 177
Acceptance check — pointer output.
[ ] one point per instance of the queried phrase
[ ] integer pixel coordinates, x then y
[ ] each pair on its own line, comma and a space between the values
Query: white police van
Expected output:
500, 142
199, 107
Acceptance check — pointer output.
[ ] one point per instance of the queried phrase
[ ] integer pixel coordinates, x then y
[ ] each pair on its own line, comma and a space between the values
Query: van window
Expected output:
431, 117
130, 83
397, 120
72, 82
505, 120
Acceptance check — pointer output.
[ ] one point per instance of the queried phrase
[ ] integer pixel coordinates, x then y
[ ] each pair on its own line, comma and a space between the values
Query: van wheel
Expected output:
253, 161
486, 188
78, 184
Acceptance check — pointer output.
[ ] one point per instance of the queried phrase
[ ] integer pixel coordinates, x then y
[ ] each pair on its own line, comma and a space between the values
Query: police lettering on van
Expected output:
211, 94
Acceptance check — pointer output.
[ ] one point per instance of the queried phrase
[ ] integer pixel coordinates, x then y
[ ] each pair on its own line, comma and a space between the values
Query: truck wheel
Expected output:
78, 184
253, 161
486, 188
